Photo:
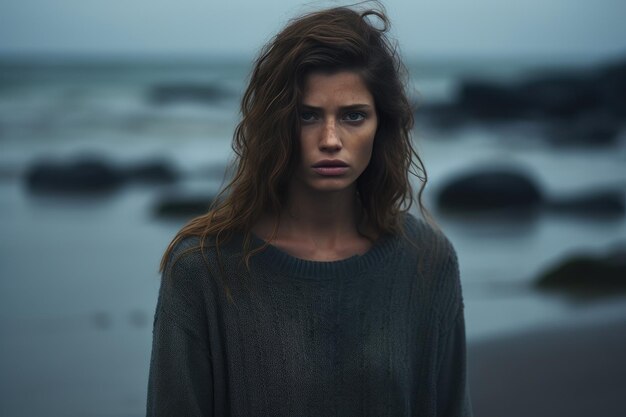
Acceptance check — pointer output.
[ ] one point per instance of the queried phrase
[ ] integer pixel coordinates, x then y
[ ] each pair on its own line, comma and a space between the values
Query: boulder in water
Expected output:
151, 172
590, 130
586, 275
488, 190
85, 176
488, 101
91, 175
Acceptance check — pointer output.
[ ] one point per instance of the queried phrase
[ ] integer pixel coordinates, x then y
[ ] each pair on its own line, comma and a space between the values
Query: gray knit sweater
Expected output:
380, 334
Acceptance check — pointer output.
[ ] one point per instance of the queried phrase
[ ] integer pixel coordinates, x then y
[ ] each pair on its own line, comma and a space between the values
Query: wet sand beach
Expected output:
572, 371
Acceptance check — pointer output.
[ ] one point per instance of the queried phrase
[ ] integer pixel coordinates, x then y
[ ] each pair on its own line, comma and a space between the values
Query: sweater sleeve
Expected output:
180, 380
453, 398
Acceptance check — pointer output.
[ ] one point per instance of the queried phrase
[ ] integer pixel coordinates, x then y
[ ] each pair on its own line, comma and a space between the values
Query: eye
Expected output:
354, 116
308, 116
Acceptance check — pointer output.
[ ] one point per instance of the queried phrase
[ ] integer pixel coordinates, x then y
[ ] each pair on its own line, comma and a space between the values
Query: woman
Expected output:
308, 290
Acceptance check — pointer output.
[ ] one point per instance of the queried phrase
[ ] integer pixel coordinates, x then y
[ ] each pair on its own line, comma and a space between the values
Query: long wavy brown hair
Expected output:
266, 142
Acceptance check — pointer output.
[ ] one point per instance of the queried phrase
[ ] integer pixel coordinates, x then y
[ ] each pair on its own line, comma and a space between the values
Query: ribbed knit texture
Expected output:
380, 334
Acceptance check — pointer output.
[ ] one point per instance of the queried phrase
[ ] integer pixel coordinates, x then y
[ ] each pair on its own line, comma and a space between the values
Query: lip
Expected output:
330, 163
330, 167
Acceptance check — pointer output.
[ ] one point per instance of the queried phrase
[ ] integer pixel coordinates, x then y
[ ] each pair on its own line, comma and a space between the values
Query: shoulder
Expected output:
197, 264
185, 253
193, 278
185, 290
192, 251
188, 271
428, 240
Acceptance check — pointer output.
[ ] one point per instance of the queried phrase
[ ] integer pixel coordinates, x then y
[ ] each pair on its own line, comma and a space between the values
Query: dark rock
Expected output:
182, 206
488, 101
560, 97
196, 93
152, 172
596, 130
490, 189
548, 98
84, 176
597, 203
611, 80
91, 175
587, 275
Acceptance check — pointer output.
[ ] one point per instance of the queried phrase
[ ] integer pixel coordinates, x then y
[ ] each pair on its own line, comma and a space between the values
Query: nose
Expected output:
330, 140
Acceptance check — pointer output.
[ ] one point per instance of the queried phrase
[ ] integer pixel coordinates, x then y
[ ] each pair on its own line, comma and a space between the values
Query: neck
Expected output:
318, 226
322, 216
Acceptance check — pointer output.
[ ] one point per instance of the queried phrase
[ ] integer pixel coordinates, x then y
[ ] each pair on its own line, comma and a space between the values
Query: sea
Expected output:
79, 273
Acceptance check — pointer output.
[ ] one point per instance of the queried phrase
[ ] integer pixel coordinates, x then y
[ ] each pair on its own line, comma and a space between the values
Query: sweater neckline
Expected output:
287, 264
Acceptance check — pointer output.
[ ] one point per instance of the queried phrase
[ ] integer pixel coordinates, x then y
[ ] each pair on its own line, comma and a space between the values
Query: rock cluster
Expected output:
585, 107
92, 175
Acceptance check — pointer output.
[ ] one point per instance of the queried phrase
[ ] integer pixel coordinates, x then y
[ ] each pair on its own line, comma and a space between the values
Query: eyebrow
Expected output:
344, 108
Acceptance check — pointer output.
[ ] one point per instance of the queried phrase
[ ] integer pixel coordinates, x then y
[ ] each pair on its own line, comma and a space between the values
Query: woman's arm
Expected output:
453, 398
180, 373
180, 381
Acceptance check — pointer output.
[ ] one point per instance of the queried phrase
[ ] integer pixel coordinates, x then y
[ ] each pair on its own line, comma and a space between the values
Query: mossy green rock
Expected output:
587, 275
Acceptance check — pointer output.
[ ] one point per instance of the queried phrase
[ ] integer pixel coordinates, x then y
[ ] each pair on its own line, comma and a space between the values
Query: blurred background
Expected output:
115, 127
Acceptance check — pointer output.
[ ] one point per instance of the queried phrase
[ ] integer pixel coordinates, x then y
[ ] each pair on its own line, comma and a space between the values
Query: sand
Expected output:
573, 371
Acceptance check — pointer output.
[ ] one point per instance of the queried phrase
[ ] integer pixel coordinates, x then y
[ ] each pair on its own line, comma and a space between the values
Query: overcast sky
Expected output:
594, 28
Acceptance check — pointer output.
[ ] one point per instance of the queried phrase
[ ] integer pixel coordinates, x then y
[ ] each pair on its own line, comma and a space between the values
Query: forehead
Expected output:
343, 87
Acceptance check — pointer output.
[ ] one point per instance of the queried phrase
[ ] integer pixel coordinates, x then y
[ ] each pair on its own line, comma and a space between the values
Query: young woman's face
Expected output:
339, 121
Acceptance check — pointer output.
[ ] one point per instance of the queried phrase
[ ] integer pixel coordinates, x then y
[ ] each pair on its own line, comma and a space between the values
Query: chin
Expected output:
330, 185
